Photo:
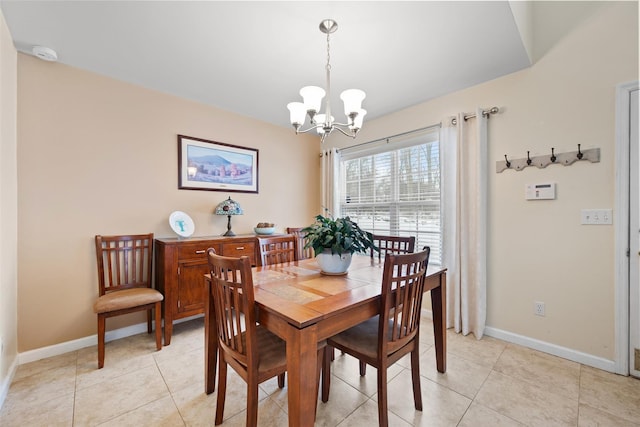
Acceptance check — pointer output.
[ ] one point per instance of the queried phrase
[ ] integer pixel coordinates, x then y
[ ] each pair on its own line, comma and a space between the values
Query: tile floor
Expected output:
488, 383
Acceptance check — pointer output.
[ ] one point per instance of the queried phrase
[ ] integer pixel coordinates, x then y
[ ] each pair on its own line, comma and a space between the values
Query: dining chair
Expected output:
248, 347
393, 245
301, 241
124, 283
277, 249
394, 332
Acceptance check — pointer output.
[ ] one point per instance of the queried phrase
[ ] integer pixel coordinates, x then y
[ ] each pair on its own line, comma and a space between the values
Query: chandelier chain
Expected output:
328, 122
328, 53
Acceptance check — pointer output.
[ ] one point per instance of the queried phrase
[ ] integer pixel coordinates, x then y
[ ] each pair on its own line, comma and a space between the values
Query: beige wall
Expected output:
8, 207
98, 156
538, 250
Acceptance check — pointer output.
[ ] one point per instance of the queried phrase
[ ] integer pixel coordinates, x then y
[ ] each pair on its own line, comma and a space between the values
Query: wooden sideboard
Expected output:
180, 268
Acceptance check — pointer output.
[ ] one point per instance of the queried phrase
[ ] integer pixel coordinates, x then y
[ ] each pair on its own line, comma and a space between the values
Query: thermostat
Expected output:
545, 191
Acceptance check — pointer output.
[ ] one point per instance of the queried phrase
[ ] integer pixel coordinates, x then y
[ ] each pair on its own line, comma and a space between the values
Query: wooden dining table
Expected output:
303, 307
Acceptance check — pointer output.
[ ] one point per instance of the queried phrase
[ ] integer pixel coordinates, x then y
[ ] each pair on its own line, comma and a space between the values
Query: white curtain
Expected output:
464, 166
330, 181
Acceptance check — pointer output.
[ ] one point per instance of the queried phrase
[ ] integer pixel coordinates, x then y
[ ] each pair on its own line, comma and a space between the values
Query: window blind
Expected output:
395, 190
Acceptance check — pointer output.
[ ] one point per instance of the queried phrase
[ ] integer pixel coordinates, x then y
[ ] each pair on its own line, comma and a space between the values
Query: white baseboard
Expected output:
556, 350
4, 387
58, 349
66, 347
545, 347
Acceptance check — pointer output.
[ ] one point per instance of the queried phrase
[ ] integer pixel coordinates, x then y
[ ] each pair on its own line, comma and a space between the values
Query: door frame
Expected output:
621, 223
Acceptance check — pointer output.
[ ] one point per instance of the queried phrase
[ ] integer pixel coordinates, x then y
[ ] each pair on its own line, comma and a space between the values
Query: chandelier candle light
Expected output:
312, 101
228, 207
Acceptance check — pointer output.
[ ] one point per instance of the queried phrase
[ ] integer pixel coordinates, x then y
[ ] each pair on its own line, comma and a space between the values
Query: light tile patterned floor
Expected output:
488, 383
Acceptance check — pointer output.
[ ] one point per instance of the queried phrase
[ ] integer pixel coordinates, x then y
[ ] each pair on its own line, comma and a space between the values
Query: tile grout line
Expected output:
155, 361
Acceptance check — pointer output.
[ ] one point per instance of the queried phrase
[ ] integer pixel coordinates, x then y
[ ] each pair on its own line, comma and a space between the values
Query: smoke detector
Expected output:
45, 53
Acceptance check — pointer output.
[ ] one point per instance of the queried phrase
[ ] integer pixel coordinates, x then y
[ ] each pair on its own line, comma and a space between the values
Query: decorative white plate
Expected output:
181, 223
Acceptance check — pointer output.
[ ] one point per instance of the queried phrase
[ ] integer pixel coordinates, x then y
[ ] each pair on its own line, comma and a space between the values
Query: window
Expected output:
396, 192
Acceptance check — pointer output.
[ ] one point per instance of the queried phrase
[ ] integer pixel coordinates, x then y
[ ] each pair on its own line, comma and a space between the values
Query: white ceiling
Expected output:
253, 57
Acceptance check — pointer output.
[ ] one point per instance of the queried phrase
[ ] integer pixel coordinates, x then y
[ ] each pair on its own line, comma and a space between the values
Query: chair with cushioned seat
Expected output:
277, 249
393, 245
124, 283
303, 253
253, 352
394, 332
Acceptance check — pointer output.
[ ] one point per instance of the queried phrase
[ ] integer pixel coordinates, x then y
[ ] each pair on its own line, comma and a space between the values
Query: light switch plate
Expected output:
596, 217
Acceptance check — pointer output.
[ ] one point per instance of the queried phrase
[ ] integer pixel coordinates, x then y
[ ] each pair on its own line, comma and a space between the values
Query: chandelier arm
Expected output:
306, 130
350, 134
342, 124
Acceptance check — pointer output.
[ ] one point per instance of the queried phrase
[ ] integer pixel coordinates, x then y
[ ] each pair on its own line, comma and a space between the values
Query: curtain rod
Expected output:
387, 138
492, 110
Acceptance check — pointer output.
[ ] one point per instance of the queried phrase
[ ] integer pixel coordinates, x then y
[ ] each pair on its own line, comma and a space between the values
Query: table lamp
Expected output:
228, 207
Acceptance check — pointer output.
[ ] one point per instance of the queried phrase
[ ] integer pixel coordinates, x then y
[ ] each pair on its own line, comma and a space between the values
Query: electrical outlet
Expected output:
538, 308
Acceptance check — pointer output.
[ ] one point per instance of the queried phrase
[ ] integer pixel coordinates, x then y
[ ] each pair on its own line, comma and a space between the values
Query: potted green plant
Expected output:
334, 241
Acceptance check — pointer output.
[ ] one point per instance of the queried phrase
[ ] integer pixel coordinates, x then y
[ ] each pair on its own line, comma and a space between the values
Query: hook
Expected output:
579, 153
553, 156
507, 161
528, 159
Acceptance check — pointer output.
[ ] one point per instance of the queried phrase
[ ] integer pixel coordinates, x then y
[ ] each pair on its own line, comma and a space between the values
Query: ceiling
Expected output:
253, 57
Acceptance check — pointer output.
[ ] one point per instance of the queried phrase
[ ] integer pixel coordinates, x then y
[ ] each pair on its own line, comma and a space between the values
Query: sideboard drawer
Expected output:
239, 249
195, 250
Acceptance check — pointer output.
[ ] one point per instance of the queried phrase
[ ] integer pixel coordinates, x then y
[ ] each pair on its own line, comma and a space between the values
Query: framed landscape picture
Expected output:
216, 166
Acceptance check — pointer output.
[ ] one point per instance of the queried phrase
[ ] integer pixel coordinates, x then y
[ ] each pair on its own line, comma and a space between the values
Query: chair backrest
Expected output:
393, 245
301, 241
232, 289
402, 290
124, 262
278, 249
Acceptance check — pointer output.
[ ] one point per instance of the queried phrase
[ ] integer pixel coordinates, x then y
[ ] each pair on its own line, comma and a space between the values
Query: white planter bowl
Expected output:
264, 230
333, 263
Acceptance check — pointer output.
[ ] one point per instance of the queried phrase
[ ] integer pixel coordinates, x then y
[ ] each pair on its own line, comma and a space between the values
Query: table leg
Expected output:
210, 341
302, 359
439, 307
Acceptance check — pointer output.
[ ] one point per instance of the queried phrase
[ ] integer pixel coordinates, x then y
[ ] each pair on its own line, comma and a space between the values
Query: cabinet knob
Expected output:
239, 248
201, 251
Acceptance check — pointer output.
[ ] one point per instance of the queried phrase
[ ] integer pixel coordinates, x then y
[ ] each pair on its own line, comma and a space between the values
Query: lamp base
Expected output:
229, 232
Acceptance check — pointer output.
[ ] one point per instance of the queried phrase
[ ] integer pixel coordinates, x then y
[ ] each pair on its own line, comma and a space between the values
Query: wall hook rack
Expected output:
565, 159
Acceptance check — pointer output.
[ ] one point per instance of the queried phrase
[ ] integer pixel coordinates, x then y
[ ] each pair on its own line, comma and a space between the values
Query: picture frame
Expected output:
216, 166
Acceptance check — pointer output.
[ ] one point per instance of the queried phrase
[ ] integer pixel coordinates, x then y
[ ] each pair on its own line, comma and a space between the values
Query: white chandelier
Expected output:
312, 96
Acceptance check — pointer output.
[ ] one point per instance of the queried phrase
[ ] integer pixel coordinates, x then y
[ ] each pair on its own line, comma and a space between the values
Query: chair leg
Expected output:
222, 388
363, 368
158, 325
383, 416
415, 378
281, 379
252, 401
101, 332
149, 326
326, 373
